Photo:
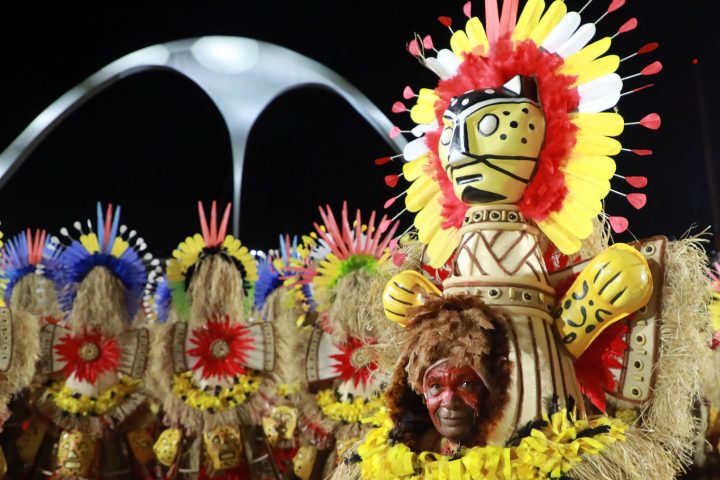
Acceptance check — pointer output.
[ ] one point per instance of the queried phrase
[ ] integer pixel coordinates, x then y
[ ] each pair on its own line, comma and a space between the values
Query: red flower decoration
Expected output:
354, 363
221, 348
87, 355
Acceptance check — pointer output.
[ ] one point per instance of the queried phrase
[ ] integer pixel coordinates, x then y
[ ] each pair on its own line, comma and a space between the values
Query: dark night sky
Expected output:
155, 143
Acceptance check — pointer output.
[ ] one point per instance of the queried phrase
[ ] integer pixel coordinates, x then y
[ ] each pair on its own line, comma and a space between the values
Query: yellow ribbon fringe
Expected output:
547, 453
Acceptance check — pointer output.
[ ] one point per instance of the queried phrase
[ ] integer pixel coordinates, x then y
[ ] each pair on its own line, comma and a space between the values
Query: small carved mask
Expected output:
223, 445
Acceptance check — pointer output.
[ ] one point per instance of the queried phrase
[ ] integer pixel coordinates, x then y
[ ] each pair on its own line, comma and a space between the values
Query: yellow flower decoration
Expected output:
215, 401
353, 411
550, 452
74, 403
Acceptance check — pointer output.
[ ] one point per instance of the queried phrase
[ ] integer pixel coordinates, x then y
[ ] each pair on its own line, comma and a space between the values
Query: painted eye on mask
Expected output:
446, 136
488, 125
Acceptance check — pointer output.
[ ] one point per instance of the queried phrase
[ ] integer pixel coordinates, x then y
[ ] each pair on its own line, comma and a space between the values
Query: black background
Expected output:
156, 144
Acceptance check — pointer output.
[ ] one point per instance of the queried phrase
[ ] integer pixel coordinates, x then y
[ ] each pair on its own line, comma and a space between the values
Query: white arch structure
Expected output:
242, 76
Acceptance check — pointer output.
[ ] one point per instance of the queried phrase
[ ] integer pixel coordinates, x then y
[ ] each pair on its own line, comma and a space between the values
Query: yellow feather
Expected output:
429, 219
608, 124
528, 20
413, 169
582, 200
583, 209
549, 21
427, 96
119, 247
420, 193
597, 166
599, 68
441, 246
565, 241
599, 183
586, 189
90, 242
422, 114
460, 44
476, 34
574, 220
575, 64
596, 145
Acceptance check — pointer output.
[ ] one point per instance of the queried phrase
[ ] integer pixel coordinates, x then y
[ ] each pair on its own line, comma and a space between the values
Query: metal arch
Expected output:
242, 76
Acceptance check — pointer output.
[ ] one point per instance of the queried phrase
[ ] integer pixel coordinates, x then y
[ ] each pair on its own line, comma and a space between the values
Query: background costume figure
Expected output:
208, 362
28, 272
93, 360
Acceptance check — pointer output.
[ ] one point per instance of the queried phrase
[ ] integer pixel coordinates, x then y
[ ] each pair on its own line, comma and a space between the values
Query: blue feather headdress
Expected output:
108, 245
162, 301
287, 266
26, 253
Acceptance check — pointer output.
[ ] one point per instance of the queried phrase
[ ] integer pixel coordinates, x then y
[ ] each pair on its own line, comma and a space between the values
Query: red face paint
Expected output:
454, 396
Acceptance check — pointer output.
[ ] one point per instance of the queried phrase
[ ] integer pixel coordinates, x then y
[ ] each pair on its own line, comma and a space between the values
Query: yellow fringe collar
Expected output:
215, 400
547, 453
348, 411
67, 400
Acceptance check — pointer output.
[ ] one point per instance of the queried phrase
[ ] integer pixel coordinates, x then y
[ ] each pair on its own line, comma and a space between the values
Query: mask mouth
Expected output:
475, 195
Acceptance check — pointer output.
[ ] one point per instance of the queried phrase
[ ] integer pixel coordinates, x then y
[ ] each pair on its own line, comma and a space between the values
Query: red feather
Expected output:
637, 200
391, 180
652, 69
642, 152
428, 42
615, 5
629, 25
382, 160
107, 359
592, 369
447, 21
344, 368
414, 48
651, 121
467, 9
399, 107
618, 224
637, 182
649, 47
235, 337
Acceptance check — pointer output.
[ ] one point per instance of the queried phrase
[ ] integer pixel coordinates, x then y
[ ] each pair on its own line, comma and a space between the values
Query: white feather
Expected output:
449, 60
415, 149
562, 32
600, 94
421, 129
577, 42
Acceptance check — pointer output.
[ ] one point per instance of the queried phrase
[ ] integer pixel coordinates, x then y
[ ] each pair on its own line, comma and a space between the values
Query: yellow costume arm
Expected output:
403, 291
614, 284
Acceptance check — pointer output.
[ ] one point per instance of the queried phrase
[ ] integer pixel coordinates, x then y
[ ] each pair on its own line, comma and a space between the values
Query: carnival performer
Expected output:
352, 262
28, 272
508, 179
282, 298
93, 358
209, 363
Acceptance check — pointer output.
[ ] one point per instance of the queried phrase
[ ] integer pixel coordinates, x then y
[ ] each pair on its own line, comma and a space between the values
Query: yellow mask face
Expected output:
303, 462
76, 452
166, 446
491, 141
141, 444
223, 445
281, 424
